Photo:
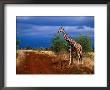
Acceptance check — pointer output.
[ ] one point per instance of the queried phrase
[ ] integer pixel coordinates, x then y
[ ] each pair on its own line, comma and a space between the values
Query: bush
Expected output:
85, 42
59, 44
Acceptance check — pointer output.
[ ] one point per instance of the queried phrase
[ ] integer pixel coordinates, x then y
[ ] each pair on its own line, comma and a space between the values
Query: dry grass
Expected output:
47, 62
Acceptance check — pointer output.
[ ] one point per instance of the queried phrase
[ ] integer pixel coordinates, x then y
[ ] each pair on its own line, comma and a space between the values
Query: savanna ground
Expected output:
47, 62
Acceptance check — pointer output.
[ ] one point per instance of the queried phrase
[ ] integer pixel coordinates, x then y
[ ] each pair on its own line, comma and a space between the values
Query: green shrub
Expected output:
59, 44
85, 42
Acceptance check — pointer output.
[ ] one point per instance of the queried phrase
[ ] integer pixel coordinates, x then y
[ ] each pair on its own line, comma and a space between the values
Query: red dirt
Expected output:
43, 64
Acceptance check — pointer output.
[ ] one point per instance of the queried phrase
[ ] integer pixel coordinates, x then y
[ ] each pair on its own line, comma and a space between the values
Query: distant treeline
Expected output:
30, 48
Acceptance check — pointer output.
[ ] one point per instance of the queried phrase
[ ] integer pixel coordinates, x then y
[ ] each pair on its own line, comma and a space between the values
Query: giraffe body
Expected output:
74, 47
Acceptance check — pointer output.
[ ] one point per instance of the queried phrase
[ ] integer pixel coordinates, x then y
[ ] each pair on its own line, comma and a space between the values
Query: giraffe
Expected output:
74, 46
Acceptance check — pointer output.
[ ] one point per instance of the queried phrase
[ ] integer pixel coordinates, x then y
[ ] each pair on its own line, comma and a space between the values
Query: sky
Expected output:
37, 31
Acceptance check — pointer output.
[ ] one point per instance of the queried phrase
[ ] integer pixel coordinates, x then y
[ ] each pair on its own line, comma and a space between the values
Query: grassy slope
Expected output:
46, 62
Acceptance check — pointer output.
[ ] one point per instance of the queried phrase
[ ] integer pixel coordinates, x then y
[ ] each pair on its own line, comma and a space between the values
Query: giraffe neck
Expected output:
69, 40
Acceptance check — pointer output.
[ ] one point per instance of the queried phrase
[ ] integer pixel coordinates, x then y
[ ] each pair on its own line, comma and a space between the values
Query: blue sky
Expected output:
37, 31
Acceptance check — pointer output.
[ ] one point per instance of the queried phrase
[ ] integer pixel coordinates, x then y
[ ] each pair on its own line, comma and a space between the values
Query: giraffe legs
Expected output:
80, 59
77, 54
70, 56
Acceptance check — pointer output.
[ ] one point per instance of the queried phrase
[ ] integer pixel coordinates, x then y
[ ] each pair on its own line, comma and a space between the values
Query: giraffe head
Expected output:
61, 29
